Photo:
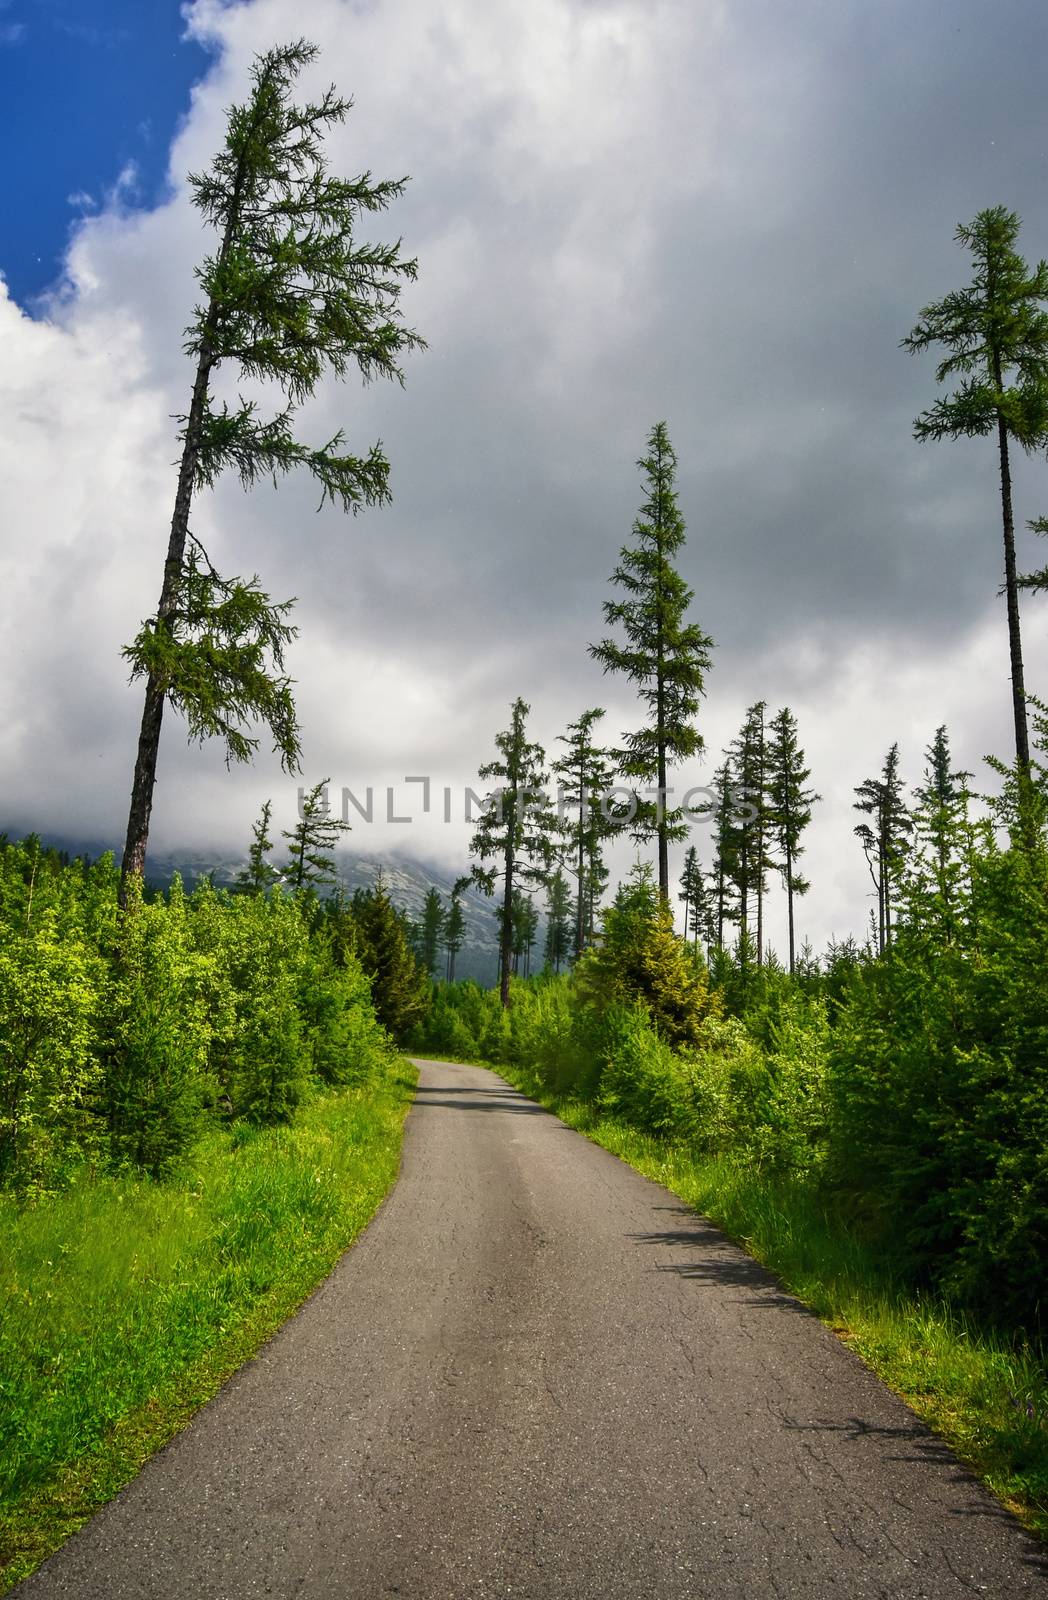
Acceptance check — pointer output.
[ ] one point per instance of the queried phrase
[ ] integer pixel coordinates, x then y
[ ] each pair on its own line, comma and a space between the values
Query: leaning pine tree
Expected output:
665, 655
287, 295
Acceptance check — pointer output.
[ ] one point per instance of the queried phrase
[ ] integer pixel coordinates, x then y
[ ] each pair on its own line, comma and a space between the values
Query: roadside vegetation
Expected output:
873, 1129
199, 1110
128, 1302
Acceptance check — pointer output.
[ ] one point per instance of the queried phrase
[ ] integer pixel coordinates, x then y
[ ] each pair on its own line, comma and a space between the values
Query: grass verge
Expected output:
988, 1400
127, 1304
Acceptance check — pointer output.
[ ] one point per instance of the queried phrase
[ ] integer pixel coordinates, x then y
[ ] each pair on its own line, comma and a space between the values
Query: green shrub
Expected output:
50, 995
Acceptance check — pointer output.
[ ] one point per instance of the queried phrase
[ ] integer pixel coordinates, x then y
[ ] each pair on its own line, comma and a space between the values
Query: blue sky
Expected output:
87, 87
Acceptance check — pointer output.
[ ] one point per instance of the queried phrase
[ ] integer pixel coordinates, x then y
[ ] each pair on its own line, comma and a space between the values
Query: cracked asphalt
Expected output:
537, 1374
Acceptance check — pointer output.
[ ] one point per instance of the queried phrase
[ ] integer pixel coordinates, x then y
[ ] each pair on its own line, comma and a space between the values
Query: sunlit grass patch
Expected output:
127, 1302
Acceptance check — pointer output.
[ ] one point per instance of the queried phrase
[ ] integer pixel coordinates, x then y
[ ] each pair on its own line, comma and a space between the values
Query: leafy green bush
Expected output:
157, 1054
121, 1034
51, 988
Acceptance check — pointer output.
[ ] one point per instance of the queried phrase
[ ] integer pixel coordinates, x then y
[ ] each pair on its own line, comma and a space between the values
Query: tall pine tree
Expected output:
665, 655
585, 774
454, 933
995, 333
942, 834
695, 896
725, 850
310, 863
885, 840
752, 826
558, 921
431, 930
259, 876
517, 829
790, 805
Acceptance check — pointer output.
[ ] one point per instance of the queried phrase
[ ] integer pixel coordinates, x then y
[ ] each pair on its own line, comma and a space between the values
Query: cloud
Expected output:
724, 216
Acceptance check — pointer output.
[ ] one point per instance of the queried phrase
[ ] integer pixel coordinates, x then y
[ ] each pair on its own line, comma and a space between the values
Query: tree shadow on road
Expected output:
721, 1263
927, 1449
476, 1099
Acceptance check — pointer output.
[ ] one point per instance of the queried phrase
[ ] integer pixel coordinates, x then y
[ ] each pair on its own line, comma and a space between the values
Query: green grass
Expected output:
988, 1400
128, 1303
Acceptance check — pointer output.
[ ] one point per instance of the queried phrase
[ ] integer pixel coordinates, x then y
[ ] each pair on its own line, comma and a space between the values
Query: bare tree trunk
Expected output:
506, 953
580, 914
789, 903
1015, 644
133, 863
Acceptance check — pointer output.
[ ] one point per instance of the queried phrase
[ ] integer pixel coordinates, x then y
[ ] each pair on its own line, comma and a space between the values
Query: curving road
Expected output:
537, 1374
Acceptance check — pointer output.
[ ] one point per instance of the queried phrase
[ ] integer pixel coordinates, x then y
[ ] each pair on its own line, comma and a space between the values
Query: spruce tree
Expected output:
454, 933
525, 931
585, 774
287, 295
752, 827
995, 333
558, 921
431, 930
725, 850
942, 833
665, 655
693, 895
885, 842
399, 987
517, 829
790, 806
260, 874
310, 863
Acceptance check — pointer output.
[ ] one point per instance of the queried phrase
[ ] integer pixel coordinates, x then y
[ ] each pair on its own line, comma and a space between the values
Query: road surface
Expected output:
537, 1374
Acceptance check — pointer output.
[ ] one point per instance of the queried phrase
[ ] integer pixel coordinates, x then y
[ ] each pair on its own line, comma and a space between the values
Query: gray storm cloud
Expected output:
726, 215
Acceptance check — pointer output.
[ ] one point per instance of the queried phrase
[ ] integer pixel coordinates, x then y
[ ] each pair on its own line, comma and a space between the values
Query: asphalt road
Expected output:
536, 1374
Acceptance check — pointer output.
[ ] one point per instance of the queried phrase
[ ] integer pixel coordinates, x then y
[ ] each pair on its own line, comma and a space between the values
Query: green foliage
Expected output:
517, 828
118, 1050
641, 961
940, 1094
218, 657
558, 921
52, 987
431, 931
259, 875
995, 334
156, 1076
995, 326
698, 912
454, 933
399, 986
790, 805
127, 1303
291, 293
310, 864
585, 775
886, 841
